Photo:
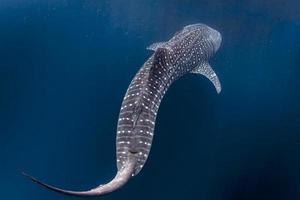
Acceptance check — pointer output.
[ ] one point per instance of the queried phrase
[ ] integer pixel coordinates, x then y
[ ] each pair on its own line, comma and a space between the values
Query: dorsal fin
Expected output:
161, 57
161, 62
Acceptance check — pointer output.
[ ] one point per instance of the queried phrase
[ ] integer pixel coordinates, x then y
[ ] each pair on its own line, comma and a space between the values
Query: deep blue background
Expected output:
66, 64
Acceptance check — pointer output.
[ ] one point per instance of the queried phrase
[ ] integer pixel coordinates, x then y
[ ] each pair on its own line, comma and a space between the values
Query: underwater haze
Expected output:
65, 66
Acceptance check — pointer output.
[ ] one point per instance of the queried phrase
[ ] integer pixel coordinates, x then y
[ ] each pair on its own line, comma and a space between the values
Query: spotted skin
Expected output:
187, 51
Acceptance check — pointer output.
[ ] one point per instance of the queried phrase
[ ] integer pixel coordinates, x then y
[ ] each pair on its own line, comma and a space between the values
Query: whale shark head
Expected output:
191, 45
198, 34
189, 50
215, 37
192, 39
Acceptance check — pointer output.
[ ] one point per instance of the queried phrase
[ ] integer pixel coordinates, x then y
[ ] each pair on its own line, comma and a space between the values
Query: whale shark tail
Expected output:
116, 183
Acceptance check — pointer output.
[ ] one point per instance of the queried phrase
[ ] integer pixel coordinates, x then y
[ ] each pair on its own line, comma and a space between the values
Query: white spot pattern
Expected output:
187, 49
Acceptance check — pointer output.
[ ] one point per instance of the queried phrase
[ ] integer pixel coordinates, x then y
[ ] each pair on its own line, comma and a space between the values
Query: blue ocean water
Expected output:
65, 67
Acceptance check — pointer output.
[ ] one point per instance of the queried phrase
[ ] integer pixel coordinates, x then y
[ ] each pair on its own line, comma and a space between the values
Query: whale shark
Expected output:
188, 51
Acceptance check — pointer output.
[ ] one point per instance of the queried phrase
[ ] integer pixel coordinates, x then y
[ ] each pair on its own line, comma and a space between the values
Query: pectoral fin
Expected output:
206, 70
156, 45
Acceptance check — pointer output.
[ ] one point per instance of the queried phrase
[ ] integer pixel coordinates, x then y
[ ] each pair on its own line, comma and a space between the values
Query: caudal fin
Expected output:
120, 179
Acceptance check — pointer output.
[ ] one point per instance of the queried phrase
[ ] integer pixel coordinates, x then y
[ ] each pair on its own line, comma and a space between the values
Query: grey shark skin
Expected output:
188, 51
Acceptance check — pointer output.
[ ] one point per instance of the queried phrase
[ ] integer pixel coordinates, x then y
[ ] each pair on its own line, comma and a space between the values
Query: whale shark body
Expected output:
188, 51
